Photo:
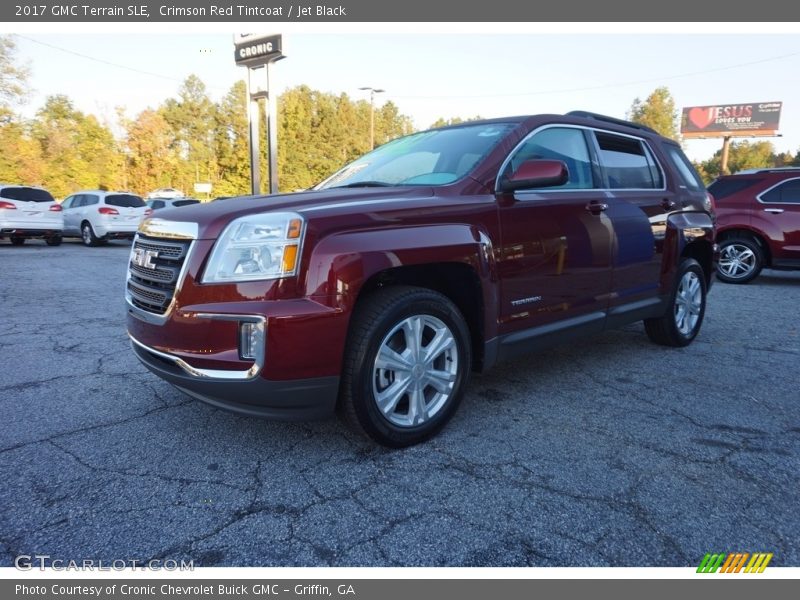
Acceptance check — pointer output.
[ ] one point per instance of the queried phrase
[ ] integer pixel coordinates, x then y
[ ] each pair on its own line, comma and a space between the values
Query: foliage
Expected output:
741, 155
658, 112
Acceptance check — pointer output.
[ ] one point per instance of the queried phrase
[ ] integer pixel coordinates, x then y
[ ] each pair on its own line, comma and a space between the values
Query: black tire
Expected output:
670, 329
54, 240
740, 260
87, 235
377, 324
17, 241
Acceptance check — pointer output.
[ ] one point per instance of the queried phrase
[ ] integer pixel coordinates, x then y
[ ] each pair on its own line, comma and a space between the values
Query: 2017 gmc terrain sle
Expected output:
378, 291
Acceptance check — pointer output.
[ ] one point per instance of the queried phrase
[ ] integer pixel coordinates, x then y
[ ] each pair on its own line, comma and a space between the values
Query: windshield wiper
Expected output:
364, 184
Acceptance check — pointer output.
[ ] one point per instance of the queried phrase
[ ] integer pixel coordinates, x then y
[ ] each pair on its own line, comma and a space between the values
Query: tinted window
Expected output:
558, 143
185, 202
124, 201
787, 193
67, 203
80, 200
722, 188
156, 204
433, 157
26, 194
626, 162
688, 174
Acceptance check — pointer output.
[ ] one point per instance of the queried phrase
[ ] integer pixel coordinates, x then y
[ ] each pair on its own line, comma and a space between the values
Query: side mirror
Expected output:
536, 173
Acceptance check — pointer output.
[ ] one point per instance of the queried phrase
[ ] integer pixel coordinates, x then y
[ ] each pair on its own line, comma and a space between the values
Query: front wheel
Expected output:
687, 307
407, 362
17, 241
54, 240
740, 260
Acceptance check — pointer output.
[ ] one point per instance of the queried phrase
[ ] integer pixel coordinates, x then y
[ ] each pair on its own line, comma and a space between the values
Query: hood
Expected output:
213, 217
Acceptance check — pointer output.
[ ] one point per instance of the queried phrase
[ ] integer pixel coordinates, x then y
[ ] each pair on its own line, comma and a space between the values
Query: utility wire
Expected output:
604, 86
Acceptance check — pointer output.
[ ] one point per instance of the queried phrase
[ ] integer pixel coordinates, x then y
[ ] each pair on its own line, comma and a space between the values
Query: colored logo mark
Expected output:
735, 562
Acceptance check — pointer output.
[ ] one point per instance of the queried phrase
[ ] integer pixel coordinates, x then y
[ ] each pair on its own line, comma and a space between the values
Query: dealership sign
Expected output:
257, 50
730, 120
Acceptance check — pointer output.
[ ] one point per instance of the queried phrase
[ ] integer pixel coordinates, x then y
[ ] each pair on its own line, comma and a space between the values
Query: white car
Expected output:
98, 216
29, 212
165, 193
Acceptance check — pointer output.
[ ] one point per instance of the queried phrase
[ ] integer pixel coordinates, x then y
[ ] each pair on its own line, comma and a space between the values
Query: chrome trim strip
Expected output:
772, 187
181, 230
144, 315
216, 374
355, 203
504, 164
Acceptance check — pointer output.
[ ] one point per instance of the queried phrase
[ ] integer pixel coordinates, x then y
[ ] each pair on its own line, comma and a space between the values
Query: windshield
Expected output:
434, 157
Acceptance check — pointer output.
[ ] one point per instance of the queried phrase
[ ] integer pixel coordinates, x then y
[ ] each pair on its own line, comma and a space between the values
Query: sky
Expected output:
431, 75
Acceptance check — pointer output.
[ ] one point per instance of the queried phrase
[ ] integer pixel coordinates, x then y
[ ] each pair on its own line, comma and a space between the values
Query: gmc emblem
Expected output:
144, 258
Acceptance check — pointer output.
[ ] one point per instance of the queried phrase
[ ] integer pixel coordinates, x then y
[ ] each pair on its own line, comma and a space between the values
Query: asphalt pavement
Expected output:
607, 452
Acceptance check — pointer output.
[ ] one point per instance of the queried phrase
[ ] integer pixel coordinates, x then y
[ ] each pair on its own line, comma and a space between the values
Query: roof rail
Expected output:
598, 117
757, 171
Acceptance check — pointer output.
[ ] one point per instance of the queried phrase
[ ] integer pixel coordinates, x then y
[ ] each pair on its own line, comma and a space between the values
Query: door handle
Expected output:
774, 211
668, 204
596, 207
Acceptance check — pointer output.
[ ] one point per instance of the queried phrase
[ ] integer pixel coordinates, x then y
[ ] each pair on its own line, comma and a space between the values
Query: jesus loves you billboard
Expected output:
722, 120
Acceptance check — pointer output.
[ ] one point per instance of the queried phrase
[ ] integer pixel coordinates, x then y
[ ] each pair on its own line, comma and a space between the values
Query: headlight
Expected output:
256, 247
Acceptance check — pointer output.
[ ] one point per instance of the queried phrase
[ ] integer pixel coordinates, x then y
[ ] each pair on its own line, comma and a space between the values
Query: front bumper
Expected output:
289, 400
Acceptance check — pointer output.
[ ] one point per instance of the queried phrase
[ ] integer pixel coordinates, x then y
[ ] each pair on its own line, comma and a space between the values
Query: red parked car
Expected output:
758, 222
378, 292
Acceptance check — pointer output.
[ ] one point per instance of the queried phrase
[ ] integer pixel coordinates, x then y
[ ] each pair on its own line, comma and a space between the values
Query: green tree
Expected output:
658, 111
13, 77
231, 139
192, 117
151, 158
741, 155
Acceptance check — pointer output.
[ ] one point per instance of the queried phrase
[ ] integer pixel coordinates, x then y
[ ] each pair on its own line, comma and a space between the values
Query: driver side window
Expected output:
558, 143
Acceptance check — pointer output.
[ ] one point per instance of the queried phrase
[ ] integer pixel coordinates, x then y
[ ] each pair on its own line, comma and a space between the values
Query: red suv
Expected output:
378, 292
758, 222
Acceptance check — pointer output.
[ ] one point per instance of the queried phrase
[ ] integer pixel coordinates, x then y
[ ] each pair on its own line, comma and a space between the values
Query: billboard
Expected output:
724, 120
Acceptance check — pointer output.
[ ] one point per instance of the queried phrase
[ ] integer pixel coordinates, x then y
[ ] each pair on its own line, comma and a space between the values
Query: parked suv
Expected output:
758, 220
98, 216
437, 254
29, 212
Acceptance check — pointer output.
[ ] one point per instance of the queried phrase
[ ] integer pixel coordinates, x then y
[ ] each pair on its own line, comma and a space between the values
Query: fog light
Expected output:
251, 339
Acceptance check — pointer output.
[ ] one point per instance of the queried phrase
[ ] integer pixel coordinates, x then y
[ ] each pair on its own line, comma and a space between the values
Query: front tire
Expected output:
54, 240
17, 241
687, 307
87, 235
740, 260
406, 365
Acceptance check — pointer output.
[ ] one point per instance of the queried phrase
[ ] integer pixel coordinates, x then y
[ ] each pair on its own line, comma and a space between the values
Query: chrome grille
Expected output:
152, 289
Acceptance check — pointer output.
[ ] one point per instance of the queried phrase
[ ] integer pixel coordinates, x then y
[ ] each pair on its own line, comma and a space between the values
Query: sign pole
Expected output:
272, 128
255, 146
726, 146
257, 53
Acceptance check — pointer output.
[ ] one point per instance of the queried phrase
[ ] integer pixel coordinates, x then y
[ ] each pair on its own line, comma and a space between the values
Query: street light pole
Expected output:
372, 92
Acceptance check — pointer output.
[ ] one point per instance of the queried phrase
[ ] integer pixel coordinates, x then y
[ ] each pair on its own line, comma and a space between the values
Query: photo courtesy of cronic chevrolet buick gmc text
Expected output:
758, 222
378, 291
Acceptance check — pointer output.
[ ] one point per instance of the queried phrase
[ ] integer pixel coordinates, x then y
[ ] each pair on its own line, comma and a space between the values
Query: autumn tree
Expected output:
658, 112
152, 160
442, 122
231, 139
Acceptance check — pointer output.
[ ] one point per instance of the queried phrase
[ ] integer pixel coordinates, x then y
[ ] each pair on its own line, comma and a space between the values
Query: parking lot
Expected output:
609, 451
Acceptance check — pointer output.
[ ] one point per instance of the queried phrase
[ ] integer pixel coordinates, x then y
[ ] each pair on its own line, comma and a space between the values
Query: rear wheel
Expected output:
17, 241
740, 260
681, 323
87, 235
406, 365
54, 240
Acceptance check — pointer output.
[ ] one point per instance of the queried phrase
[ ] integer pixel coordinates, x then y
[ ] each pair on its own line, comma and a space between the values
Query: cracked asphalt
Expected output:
611, 451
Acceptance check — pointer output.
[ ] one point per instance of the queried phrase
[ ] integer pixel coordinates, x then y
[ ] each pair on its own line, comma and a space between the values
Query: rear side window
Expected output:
688, 174
787, 192
627, 162
89, 199
124, 201
26, 194
722, 188
185, 202
156, 204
